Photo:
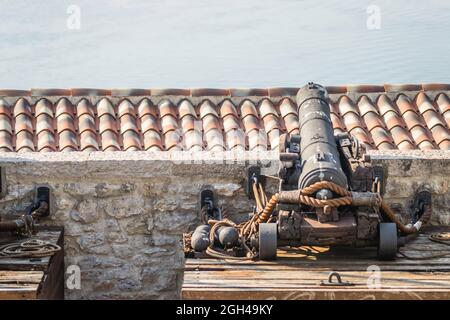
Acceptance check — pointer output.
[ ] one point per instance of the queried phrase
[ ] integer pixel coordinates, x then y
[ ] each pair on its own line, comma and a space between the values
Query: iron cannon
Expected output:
329, 194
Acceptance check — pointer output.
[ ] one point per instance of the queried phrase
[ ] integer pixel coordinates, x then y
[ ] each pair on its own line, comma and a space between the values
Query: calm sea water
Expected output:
212, 43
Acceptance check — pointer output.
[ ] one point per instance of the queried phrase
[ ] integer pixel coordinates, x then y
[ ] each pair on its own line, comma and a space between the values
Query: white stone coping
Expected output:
410, 155
178, 157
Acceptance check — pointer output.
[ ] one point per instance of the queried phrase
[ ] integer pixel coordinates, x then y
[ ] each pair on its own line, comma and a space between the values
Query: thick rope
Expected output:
265, 209
326, 185
33, 248
346, 199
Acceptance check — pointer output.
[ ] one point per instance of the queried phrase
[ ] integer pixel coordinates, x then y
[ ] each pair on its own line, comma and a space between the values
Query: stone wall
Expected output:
406, 172
124, 212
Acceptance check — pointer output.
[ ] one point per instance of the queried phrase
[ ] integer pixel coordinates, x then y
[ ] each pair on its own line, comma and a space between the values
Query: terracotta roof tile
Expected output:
186, 108
193, 140
104, 107
109, 140
64, 106
170, 92
392, 120
346, 106
172, 140
336, 89
131, 140
67, 140
85, 107
228, 108
271, 122
365, 106
365, 88
248, 109
88, 141
23, 123
44, 106
282, 92
445, 145
402, 138
208, 108
289, 114
127, 123
107, 122
249, 92
89, 92
44, 123
192, 127
86, 122
6, 141
146, 107
352, 121
126, 108
46, 141
338, 125
130, 92
24, 141
436, 87
235, 140
152, 140
22, 106
169, 123
51, 92
14, 93
167, 108
405, 104
443, 103
382, 139
382, 117
267, 108
402, 87
202, 92
149, 122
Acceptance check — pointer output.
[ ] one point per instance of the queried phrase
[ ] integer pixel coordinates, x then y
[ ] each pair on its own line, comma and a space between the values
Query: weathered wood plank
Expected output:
297, 273
41, 278
27, 264
20, 277
316, 294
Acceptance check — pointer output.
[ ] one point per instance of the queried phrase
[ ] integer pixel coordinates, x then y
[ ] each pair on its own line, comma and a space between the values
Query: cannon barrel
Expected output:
318, 151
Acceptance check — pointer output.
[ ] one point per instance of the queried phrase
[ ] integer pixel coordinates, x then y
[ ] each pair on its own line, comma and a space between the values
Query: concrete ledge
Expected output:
177, 157
412, 154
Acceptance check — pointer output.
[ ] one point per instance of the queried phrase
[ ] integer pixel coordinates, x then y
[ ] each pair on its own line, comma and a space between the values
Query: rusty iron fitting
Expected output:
41, 211
288, 156
23, 225
369, 199
11, 226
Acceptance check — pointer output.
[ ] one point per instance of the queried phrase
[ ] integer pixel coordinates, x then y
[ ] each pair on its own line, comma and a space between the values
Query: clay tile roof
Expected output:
384, 117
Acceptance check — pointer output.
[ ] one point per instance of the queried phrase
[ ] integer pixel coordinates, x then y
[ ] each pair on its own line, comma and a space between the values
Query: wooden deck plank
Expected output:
38, 278
25, 264
296, 274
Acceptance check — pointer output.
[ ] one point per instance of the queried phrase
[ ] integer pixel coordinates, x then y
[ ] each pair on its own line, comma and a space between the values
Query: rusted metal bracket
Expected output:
378, 176
43, 203
253, 173
208, 205
338, 283
421, 201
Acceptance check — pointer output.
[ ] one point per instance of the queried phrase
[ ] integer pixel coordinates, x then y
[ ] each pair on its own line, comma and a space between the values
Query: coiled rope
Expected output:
440, 237
33, 248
